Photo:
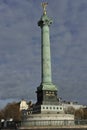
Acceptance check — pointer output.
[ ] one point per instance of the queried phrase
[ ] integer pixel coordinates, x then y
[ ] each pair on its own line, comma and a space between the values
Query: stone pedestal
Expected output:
40, 120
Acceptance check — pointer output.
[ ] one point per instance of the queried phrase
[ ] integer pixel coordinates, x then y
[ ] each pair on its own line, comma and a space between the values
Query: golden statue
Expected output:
44, 5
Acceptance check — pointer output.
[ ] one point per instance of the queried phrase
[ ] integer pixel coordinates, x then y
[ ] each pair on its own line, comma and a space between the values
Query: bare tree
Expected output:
12, 111
1, 114
79, 114
70, 110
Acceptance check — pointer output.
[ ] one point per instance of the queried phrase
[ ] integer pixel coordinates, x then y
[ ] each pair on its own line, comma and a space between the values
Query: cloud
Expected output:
70, 55
20, 61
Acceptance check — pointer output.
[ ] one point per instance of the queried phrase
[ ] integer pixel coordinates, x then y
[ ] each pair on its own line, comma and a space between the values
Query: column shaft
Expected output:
46, 56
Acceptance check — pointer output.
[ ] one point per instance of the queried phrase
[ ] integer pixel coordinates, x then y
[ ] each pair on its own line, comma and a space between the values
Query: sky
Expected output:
20, 49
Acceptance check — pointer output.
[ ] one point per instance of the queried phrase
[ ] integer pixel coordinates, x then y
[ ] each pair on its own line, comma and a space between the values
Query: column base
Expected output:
47, 86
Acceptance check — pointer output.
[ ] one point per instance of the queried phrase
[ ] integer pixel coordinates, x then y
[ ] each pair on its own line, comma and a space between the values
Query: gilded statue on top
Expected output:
44, 5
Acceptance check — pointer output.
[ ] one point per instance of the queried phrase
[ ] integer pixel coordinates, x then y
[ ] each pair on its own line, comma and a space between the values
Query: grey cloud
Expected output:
20, 67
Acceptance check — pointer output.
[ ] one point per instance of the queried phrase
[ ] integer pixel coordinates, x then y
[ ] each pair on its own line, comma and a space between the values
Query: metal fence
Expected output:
48, 123
54, 123
80, 122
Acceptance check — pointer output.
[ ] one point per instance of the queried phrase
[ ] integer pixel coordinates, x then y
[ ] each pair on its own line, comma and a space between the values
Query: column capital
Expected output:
45, 20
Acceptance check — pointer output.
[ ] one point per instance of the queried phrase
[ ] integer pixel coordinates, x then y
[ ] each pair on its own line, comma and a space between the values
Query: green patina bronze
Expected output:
46, 76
